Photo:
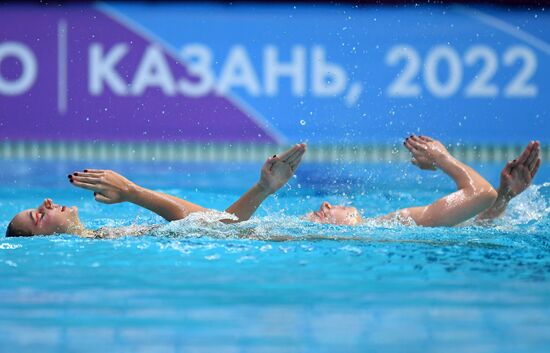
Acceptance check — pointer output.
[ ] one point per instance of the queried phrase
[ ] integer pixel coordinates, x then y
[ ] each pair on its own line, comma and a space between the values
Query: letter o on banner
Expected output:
28, 65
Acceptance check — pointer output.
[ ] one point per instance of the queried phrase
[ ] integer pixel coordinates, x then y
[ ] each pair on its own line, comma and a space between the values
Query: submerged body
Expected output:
474, 195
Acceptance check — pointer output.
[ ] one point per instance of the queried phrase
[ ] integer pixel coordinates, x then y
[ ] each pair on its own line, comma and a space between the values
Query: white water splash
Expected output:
199, 224
210, 216
8, 246
10, 263
529, 206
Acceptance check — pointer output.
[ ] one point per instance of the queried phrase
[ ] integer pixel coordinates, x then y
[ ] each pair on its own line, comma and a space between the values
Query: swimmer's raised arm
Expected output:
474, 194
110, 187
275, 173
514, 179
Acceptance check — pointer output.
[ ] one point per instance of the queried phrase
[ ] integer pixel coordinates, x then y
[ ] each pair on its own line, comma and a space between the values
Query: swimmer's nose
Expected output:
48, 203
325, 204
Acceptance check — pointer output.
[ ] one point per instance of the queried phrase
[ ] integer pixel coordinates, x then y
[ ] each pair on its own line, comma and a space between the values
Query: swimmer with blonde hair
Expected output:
474, 196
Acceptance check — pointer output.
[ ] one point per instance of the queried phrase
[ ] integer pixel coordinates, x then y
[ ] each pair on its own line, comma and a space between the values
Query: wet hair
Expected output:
13, 231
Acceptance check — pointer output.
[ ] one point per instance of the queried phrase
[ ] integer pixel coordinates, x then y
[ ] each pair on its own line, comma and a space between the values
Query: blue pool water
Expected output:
397, 289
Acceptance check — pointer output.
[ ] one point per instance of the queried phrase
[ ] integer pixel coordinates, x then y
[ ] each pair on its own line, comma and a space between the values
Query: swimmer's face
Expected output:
48, 218
341, 215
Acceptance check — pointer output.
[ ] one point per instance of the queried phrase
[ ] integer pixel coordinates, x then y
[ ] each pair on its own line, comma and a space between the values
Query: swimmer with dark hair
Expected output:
110, 187
474, 196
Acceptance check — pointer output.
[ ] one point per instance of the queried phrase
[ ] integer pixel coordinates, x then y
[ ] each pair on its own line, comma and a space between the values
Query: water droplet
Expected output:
302, 122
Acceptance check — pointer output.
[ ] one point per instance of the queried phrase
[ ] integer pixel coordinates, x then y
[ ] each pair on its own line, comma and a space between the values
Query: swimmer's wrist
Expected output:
262, 189
444, 160
134, 193
504, 195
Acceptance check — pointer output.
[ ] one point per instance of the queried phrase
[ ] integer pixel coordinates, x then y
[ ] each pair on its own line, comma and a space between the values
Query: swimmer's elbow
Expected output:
176, 215
484, 195
487, 197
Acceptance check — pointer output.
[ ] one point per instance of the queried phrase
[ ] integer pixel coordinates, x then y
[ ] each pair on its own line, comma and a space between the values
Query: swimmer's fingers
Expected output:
507, 171
415, 144
296, 163
410, 146
87, 179
100, 198
526, 175
87, 186
295, 151
533, 156
426, 138
417, 140
94, 171
525, 154
269, 164
296, 157
535, 168
521, 172
291, 153
89, 175
414, 161
285, 154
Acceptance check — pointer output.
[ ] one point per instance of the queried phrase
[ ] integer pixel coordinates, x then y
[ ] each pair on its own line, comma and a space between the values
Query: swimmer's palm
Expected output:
516, 181
108, 186
114, 188
274, 175
424, 163
428, 155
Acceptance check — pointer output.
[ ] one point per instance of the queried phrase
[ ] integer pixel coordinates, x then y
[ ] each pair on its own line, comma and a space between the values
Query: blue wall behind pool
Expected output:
334, 74
467, 74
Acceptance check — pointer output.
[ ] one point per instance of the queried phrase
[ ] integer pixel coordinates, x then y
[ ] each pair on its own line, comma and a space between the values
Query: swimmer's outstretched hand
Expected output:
518, 174
515, 178
277, 170
426, 152
108, 186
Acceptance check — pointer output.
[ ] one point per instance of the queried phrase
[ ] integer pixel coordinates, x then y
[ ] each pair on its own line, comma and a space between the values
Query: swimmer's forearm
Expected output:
172, 208
247, 204
168, 207
498, 207
463, 175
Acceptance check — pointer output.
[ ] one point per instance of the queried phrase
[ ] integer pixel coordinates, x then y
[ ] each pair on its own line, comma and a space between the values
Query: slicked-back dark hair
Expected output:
13, 231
